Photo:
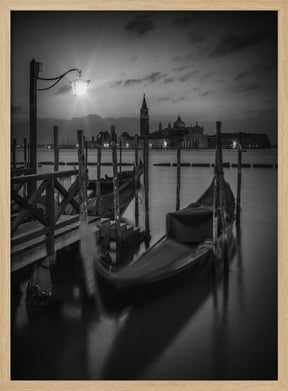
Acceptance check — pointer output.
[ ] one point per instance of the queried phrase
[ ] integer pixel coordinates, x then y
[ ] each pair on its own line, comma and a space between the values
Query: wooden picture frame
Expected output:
279, 5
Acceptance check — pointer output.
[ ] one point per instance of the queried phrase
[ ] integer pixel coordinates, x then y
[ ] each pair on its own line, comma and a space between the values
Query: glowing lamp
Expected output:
79, 86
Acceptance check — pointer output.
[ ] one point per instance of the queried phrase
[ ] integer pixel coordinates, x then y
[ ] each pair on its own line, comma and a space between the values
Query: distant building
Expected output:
144, 118
189, 136
247, 140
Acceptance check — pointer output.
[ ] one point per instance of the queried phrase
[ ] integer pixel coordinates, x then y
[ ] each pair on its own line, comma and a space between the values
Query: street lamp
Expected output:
79, 87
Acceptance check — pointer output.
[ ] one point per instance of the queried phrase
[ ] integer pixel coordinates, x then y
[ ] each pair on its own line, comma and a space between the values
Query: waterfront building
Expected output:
247, 140
189, 136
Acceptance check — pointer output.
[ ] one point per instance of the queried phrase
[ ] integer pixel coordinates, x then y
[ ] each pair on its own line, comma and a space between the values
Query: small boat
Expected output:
186, 244
127, 189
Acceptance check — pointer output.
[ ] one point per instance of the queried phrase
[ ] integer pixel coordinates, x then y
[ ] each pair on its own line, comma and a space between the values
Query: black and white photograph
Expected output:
143, 205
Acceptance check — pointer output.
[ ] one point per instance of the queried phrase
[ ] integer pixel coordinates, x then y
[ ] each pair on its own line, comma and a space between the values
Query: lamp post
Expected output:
79, 87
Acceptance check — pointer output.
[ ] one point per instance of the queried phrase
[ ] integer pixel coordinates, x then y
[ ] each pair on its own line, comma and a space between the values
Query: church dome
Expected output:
178, 124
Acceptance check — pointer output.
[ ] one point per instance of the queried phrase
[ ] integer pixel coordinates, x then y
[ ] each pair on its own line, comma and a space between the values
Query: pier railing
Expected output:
44, 207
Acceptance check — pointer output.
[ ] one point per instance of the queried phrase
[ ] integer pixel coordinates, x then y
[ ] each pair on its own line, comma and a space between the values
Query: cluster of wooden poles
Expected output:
82, 158
218, 201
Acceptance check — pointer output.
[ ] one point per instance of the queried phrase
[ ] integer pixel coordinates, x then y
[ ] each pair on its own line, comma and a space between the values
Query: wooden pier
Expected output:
39, 225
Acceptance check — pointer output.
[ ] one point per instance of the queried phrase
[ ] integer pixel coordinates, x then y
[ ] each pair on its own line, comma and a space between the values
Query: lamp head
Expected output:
79, 85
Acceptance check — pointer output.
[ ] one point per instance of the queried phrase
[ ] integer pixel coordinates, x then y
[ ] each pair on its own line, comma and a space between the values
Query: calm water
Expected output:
195, 331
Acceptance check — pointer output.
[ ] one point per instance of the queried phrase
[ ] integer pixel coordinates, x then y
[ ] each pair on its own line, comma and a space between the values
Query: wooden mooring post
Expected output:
178, 175
222, 197
120, 159
239, 180
25, 152
14, 153
25, 163
136, 182
116, 193
82, 176
215, 200
86, 150
87, 248
56, 149
50, 215
146, 186
28, 152
98, 183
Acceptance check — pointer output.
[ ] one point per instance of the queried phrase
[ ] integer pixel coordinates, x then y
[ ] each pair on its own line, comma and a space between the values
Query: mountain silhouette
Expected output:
91, 124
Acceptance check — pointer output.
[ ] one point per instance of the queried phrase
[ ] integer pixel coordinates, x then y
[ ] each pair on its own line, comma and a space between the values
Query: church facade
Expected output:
169, 137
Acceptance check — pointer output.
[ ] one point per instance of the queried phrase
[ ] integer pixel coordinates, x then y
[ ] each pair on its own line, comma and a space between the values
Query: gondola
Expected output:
187, 244
126, 180
129, 182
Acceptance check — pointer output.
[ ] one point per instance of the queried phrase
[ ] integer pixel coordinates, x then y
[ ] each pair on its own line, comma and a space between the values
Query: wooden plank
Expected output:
27, 236
20, 171
36, 249
39, 177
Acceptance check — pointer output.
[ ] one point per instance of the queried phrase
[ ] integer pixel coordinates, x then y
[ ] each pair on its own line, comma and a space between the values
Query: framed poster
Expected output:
175, 76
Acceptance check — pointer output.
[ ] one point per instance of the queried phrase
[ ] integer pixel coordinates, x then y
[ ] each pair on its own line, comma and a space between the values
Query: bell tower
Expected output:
144, 118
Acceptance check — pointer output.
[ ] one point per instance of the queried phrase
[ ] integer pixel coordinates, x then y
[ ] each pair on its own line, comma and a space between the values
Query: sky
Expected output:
205, 66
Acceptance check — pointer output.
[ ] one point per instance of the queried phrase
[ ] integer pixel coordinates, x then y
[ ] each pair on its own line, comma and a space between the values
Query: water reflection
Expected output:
152, 326
205, 328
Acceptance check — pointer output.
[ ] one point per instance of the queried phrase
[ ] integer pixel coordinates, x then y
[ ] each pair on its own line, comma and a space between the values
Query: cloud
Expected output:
154, 76
179, 69
17, 110
206, 93
241, 75
116, 83
188, 76
63, 89
257, 69
196, 37
164, 99
168, 80
140, 24
179, 99
245, 87
231, 43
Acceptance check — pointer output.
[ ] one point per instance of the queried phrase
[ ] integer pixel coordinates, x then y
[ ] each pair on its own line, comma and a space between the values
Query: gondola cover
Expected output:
194, 223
